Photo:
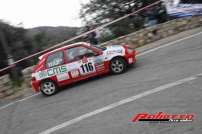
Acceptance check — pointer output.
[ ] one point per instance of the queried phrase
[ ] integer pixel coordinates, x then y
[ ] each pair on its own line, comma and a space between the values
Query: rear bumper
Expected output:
35, 86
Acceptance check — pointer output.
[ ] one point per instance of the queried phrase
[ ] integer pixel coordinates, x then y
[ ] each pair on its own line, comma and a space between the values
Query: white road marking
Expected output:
140, 54
116, 104
12, 103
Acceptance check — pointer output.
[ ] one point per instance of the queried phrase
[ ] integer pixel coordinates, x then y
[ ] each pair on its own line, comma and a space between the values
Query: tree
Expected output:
102, 11
17, 45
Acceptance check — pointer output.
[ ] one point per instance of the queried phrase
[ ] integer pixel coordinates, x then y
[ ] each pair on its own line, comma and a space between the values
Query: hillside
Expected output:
53, 34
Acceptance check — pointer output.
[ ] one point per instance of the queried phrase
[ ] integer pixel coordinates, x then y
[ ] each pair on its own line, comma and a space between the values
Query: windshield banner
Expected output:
184, 10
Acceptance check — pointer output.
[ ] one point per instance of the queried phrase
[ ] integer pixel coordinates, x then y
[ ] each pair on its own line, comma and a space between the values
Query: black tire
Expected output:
48, 88
118, 65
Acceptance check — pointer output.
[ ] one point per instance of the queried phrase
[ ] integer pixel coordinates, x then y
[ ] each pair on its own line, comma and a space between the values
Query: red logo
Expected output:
84, 59
161, 116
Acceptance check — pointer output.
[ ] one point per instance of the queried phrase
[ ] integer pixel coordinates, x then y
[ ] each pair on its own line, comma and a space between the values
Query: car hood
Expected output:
114, 49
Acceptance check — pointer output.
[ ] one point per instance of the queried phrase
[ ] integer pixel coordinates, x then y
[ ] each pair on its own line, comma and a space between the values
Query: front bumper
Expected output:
131, 58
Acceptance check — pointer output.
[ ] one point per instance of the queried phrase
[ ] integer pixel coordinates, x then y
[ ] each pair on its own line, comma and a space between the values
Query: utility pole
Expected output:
10, 61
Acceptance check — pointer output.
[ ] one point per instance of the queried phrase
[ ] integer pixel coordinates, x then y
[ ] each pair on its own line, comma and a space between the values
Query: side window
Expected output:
77, 53
55, 59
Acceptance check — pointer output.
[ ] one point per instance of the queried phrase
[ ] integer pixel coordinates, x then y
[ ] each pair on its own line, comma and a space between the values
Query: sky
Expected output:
34, 13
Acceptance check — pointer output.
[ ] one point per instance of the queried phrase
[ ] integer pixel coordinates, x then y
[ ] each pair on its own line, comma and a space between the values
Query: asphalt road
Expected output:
159, 68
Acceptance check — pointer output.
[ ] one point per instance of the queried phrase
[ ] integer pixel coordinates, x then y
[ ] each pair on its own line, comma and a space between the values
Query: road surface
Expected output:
168, 79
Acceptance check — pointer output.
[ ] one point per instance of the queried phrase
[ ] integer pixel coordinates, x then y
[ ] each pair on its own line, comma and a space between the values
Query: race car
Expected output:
76, 62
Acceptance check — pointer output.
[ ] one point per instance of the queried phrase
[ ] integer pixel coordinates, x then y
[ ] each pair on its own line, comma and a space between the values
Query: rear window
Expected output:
55, 59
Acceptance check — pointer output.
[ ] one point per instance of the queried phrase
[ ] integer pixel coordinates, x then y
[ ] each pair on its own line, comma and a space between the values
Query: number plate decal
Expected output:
87, 67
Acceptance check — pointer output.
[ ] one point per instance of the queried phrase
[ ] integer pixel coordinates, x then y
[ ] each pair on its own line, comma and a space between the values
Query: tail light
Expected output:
33, 79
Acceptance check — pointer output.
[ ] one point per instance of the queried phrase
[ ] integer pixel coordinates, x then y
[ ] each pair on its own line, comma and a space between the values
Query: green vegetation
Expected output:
98, 12
17, 83
22, 42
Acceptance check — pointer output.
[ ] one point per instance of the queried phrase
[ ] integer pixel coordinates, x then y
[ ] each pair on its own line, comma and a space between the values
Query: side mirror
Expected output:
96, 53
99, 53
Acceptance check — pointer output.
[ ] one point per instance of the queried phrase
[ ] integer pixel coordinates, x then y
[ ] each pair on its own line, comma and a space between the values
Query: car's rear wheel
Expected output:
118, 65
48, 88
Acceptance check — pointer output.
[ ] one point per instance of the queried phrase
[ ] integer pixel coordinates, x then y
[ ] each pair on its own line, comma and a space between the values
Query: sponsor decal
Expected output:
73, 65
115, 51
85, 66
55, 62
62, 77
52, 71
100, 67
163, 117
74, 73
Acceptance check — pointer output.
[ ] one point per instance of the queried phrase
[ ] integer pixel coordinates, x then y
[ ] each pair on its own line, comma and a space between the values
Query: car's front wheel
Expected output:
118, 65
48, 88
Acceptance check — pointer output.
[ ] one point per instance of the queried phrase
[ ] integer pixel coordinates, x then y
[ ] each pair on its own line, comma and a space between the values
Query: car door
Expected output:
81, 61
55, 68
